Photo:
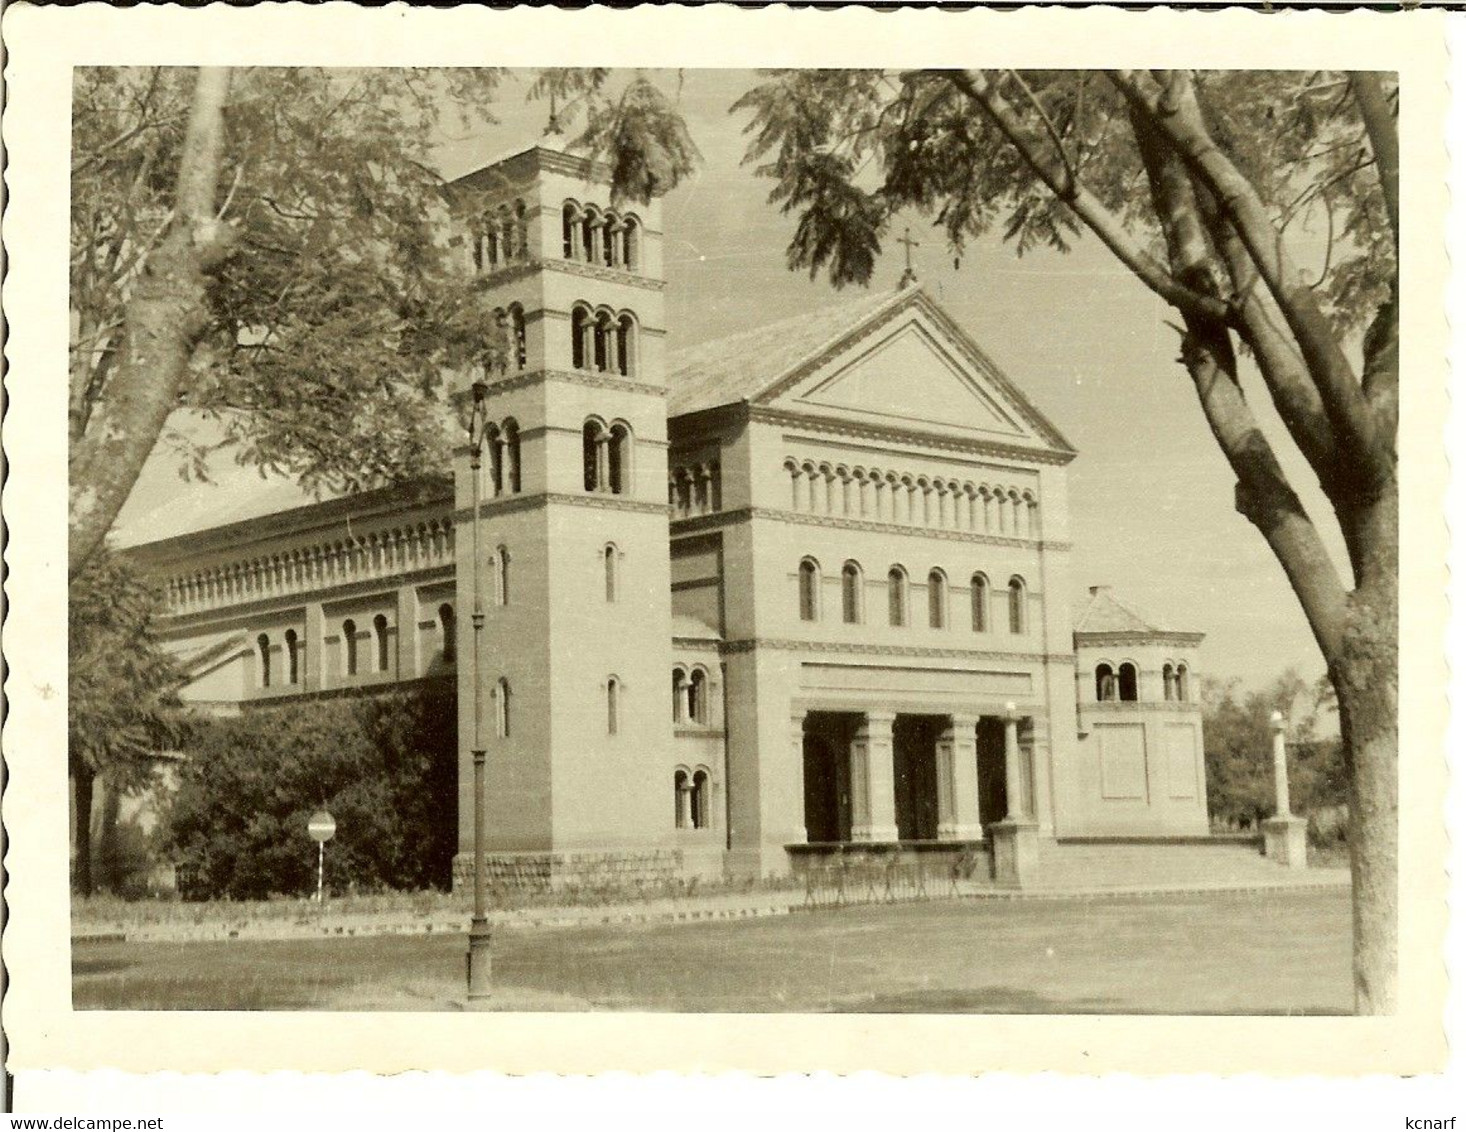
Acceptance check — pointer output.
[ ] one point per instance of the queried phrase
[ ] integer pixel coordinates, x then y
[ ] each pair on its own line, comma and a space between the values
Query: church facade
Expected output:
801, 590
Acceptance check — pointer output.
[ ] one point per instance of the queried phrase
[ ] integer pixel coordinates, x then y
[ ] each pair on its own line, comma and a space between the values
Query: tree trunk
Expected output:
83, 780
1366, 676
164, 319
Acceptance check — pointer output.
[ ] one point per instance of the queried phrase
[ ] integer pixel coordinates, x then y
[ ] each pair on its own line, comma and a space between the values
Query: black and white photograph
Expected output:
693, 537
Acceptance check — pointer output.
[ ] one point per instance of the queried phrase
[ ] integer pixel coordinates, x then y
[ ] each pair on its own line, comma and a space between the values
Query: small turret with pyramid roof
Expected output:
1139, 722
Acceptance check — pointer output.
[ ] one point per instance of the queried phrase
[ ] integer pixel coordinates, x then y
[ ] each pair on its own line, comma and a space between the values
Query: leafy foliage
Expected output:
384, 766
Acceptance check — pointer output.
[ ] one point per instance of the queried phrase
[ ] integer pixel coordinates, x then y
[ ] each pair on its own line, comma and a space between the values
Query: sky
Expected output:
1150, 494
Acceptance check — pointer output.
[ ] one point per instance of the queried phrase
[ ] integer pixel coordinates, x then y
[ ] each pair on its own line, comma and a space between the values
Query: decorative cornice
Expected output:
1122, 638
784, 644
530, 502
718, 519
766, 414
1134, 707
574, 377
697, 642
601, 273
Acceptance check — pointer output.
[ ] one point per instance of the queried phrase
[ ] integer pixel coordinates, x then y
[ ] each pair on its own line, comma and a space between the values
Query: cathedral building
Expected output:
799, 591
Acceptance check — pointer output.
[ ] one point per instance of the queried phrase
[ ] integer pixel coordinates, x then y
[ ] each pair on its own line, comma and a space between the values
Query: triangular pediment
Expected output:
912, 372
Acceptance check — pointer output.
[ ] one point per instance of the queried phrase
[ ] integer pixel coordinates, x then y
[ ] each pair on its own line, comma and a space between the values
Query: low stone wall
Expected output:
618, 869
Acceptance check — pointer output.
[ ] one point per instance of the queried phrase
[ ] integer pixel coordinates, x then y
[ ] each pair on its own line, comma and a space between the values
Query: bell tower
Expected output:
574, 569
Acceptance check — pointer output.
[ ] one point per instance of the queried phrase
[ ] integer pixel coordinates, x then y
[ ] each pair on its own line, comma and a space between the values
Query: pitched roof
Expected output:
1106, 613
740, 366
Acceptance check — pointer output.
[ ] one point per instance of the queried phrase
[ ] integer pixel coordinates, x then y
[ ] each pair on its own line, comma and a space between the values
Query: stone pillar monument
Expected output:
1015, 838
1284, 837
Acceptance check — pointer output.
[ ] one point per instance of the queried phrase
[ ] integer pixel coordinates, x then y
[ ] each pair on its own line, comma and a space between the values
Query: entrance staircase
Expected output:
1121, 863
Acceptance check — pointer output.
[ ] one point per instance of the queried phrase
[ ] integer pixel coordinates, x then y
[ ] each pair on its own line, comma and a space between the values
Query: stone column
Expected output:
1284, 836
684, 804
576, 250
796, 737
603, 462
958, 817
873, 779
407, 615
1015, 838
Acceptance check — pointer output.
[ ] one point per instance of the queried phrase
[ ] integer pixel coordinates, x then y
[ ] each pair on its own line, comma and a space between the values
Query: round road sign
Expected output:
322, 826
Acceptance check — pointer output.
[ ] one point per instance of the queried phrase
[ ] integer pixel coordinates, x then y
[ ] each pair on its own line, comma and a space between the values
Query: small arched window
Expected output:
348, 642
510, 450
447, 626
569, 231
618, 458
590, 454
851, 593
1129, 683
1168, 680
608, 559
679, 695
502, 708
681, 787
262, 642
503, 578
589, 225
292, 656
631, 250
697, 697
580, 338
1017, 606
518, 336
610, 252
936, 599
809, 590
520, 248
379, 632
979, 603
613, 705
1183, 684
625, 345
1104, 684
896, 595
603, 345
698, 803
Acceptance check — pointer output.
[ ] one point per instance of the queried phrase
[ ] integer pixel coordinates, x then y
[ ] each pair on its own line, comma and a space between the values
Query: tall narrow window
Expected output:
1168, 680
618, 458
630, 251
1183, 684
936, 599
611, 233
1129, 683
348, 643
501, 708
697, 697
698, 803
680, 788
850, 593
292, 655
625, 345
602, 342
1017, 606
448, 627
979, 603
590, 454
503, 575
580, 338
608, 557
1104, 684
518, 336
263, 642
809, 590
379, 631
511, 456
613, 695
588, 225
896, 596
569, 236
679, 695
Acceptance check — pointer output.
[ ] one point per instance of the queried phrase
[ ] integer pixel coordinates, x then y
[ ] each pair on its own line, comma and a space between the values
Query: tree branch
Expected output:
1085, 205
1384, 139
1176, 115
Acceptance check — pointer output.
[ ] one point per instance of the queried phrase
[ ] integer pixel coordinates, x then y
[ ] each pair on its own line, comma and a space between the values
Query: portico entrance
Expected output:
915, 752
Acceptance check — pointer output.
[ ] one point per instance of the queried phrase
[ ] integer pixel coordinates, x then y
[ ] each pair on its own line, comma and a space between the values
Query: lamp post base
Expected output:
480, 965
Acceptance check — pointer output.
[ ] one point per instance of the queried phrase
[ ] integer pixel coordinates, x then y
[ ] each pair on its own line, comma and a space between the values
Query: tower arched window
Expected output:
348, 643
896, 596
521, 231
262, 642
1168, 680
502, 708
809, 590
447, 626
611, 233
979, 603
613, 705
1017, 606
630, 243
697, 697
936, 599
582, 338
1105, 688
698, 802
592, 451
518, 338
379, 632
679, 695
292, 656
503, 573
608, 559
510, 438
681, 787
589, 227
618, 471
569, 230
1129, 683
625, 345
851, 593
1183, 684
494, 445
605, 344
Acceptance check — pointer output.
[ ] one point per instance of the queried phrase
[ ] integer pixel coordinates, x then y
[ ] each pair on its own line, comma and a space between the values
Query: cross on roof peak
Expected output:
908, 277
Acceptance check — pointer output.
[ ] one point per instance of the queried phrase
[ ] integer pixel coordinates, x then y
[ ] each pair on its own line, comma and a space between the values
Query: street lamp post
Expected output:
480, 944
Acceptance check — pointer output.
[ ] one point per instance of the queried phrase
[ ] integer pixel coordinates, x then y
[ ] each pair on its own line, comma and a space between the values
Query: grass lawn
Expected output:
1263, 953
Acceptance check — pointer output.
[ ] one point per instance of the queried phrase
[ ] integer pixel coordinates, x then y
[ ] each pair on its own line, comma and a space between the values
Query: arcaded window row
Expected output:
853, 588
